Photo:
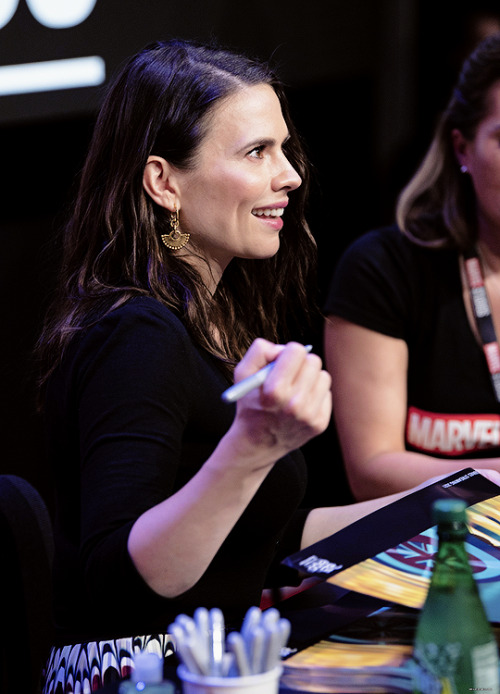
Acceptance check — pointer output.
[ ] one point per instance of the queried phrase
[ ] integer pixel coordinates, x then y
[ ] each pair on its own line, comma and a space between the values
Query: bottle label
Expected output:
434, 668
485, 667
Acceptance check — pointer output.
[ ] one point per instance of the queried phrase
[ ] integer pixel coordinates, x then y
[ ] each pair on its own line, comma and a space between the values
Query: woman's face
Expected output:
481, 156
233, 200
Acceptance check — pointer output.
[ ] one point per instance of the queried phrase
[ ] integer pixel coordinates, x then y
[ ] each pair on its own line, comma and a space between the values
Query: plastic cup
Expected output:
261, 683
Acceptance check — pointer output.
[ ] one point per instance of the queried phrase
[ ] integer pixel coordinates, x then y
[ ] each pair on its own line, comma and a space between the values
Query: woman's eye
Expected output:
256, 152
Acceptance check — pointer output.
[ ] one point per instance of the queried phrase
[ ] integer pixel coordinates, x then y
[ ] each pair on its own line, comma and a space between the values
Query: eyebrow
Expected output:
266, 141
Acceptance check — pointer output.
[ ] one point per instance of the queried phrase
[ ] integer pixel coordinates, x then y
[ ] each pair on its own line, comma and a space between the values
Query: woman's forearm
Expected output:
395, 471
323, 522
173, 543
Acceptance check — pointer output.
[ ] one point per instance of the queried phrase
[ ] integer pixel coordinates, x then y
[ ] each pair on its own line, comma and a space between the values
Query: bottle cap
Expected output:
449, 511
148, 668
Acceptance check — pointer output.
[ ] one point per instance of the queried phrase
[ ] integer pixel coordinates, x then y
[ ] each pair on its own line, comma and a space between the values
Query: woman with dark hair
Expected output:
413, 310
185, 257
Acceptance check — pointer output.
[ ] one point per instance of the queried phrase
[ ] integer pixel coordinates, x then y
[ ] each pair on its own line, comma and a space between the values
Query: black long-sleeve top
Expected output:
133, 412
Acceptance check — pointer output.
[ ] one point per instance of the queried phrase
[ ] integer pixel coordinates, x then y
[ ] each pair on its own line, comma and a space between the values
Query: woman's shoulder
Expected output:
388, 248
142, 312
383, 240
141, 325
144, 306
384, 278
141, 337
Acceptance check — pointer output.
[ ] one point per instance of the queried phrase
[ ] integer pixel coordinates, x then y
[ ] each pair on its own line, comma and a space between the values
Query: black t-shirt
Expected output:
133, 412
386, 283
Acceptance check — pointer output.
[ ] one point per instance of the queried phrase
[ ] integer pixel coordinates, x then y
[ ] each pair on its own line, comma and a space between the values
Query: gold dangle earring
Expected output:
175, 239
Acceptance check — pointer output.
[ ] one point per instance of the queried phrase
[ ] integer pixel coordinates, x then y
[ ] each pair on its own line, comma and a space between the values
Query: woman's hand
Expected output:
292, 406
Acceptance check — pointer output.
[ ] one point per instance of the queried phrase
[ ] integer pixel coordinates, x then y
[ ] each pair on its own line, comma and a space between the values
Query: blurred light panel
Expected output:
52, 75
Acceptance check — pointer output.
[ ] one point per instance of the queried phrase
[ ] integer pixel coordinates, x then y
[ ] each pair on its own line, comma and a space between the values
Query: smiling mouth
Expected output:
269, 212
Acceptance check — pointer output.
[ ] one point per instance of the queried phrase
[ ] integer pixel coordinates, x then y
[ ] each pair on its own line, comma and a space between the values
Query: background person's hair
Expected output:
437, 207
160, 103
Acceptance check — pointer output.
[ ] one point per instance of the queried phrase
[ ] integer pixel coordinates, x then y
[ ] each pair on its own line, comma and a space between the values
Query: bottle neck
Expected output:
452, 533
451, 562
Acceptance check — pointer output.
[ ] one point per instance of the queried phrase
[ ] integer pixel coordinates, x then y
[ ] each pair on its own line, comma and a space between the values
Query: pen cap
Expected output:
148, 668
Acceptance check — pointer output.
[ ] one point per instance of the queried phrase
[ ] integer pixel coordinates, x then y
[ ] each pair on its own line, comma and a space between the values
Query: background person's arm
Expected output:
369, 389
323, 522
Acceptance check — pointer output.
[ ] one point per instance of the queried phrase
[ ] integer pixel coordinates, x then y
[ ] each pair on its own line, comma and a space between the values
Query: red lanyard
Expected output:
484, 321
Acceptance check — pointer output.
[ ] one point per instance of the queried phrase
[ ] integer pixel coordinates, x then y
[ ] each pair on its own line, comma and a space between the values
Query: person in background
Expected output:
185, 257
413, 311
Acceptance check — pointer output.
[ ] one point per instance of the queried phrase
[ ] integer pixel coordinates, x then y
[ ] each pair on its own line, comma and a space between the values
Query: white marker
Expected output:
202, 622
256, 649
236, 644
217, 637
240, 389
185, 648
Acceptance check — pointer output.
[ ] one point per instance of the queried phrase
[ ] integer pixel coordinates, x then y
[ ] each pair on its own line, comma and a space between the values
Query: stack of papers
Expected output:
339, 667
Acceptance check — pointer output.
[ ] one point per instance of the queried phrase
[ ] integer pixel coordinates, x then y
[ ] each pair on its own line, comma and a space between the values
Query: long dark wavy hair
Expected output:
437, 207
160, 104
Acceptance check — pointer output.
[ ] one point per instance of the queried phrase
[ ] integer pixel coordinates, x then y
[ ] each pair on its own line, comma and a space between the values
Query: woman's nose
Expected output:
287, 178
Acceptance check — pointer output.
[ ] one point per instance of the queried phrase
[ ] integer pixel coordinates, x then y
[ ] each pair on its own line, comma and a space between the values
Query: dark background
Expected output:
366, 79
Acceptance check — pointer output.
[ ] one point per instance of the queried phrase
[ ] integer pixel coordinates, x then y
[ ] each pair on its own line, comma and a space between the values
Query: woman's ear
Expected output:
158, 182
460, 146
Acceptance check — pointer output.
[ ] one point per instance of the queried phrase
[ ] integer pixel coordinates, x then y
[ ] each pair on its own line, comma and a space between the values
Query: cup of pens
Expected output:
244, 662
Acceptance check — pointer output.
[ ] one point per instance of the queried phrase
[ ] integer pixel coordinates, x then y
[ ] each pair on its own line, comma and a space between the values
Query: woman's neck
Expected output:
210, 271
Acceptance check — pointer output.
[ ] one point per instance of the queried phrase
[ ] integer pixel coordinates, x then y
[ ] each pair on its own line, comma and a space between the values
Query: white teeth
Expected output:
269, 212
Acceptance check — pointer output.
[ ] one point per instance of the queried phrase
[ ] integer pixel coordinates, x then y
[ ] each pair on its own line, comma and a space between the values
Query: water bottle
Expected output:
147, 676
455, 651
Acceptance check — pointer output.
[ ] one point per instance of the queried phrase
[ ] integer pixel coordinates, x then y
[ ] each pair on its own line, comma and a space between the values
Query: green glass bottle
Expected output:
454, 650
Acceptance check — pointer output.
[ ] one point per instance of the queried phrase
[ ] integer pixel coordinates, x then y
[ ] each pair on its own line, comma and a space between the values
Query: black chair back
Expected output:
27, 548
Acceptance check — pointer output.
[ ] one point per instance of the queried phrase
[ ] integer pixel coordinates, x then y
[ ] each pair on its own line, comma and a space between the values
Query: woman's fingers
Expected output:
260, 353
294, 402
294, 372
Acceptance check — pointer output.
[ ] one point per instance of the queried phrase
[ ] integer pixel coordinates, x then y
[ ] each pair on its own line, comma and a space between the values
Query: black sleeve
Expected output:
133, 381
370, 286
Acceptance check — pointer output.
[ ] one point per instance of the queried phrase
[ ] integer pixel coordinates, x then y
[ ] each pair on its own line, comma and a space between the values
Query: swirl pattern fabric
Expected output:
86, 667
